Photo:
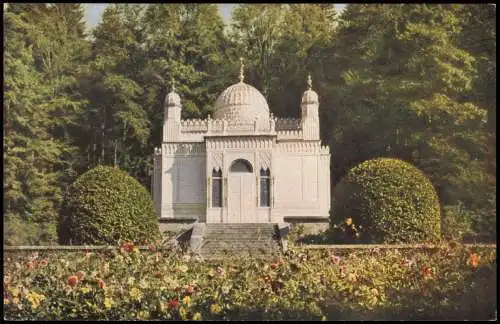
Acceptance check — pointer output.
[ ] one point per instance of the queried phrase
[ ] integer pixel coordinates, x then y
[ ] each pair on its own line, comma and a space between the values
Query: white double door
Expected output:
241, 198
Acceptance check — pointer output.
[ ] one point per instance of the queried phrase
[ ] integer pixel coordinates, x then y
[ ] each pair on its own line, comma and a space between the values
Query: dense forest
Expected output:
411, 81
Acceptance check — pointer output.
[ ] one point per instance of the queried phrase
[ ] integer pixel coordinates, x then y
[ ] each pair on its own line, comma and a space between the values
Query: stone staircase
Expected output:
238, 240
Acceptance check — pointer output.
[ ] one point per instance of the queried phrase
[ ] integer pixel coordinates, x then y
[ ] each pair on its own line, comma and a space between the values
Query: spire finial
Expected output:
309, 81
242, 66
173, 84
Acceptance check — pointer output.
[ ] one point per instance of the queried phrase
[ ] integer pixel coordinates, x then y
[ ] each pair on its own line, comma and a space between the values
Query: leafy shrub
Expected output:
105, 206
456, 223
451, 283
389, 200
21, 232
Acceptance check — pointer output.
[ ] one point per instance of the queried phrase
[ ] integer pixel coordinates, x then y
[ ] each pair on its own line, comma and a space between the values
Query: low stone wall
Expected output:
311, 225
175, 226
300, 247
383, 246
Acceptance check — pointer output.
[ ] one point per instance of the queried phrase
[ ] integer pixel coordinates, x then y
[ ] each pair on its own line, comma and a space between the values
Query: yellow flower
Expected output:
182, 313
105, 268
85, 290
197, 316
108, 303
215, 308
143, 315
187, 300
35, 299
143, 284
135, 294
15, 292
130, 281
348, 221
5, 301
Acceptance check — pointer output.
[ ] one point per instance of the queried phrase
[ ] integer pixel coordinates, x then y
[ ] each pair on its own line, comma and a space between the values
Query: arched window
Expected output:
241, 165
265, 188
216, 188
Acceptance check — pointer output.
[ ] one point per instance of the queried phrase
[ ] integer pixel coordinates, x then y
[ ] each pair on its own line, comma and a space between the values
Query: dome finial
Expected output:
309, 81
172, 81
242, 66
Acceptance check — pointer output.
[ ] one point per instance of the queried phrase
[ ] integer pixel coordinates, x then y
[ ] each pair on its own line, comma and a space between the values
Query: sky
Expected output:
93, 11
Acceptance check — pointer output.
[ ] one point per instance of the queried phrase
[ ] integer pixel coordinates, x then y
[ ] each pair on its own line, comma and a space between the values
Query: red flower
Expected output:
158, 274
30, 264
127, 247
152, 247
274, 266
43, 263
335, 259
474, 260
72, 281
174, 303
101, 284
426, 272
190, 289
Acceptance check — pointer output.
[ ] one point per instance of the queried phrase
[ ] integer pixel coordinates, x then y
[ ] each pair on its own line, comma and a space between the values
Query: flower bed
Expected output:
451, 283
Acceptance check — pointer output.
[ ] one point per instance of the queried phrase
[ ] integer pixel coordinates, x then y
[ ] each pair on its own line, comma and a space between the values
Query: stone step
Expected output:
239, 226
237, 245
236, 240
243, 236
251, 229
241, 252
236, 257
239, 240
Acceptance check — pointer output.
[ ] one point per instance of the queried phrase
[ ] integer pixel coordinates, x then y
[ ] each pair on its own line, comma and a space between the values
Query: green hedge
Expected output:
388, 201
106, 206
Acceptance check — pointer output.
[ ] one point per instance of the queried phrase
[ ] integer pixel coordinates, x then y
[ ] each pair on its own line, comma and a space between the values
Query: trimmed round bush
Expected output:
106, 206
388, 201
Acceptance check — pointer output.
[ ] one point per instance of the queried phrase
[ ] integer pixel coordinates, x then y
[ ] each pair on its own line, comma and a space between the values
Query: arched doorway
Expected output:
241, 192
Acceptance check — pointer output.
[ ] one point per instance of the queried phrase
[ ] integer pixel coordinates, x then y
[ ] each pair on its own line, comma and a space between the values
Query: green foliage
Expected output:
390, 201
44, 47
407, 73
105, 206
449, 283
416, 82
456, 223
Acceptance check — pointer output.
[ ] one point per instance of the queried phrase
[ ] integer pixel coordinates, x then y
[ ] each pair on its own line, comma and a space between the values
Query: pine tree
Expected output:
40, 104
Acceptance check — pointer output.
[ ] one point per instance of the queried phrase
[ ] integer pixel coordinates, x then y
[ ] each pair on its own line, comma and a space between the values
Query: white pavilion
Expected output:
243, 165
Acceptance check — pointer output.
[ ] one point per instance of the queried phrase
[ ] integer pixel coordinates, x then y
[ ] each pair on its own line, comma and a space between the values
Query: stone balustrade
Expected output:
283, 124
284, 128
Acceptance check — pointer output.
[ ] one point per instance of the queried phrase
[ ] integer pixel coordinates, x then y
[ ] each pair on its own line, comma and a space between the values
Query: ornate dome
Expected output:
173, 99
241, 101
310, 97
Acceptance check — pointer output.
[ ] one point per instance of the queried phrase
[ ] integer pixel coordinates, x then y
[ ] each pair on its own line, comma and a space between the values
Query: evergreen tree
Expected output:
40, 105
308, 29
256, 31
402, 95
